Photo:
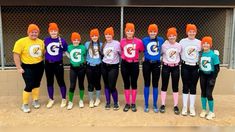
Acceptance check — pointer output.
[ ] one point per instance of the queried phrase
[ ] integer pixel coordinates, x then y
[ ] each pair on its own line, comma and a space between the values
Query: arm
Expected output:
18, 63
67, 54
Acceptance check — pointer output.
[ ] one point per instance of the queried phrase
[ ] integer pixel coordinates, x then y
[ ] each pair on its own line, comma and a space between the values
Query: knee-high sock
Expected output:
90, 95
185, 100
115, 96
163, 97
63, 92
203, 101
81, 93
50, 90
175, 96
71, 94
146, 96
35, 93
134, 93
127, 96
97, 94
26, 97
107, 95
192, 100
211, 105
155, 96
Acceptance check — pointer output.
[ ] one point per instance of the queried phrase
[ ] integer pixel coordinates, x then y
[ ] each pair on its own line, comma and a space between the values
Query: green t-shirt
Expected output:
208, 61
77, 54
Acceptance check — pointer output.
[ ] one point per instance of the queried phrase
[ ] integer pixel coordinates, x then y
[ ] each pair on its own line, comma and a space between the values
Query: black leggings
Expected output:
110, 75
130, 73
175, 76
32, 75
207, 83
153, 68
57, 69
77, 73
190, 77
93, 76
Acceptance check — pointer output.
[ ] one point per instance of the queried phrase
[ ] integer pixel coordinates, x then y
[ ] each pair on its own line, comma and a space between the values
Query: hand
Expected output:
20, 70
143, 59
216, 52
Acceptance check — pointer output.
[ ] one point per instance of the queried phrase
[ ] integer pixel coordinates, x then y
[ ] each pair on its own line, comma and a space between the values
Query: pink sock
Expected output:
175, 96
134, 92
127, 95
163, 97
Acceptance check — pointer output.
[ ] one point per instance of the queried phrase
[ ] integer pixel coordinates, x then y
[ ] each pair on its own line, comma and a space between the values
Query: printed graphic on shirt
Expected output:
206, 63
171, 54
35, 51
75, 55
109, 52
96, 54
152, 48
129, 50
53, 48
191, 52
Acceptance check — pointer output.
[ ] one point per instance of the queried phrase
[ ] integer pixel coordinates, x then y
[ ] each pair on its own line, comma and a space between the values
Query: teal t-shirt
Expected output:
208, 61
77, 54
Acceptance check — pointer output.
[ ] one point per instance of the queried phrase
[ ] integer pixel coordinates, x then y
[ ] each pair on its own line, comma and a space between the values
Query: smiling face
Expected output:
172, 38
191, 34
53, 33
129, 34
94, 38
206, 46
108, 38
152, 34
76, 42
33, 34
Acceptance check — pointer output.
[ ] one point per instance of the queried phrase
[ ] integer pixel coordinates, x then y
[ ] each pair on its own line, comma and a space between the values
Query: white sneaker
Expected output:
81, 104
63, 103
97, 102
91, 103
184, 111
50, 103
192, 111
25, 108
36, 104
203, 114
210, 116
70, 105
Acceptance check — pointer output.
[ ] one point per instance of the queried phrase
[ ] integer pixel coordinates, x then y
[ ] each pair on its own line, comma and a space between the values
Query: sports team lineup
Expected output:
191, 58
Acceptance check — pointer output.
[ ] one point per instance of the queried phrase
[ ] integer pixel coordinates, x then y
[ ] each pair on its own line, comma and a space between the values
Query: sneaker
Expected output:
107, 106
116, 106
63, 103
50, 103
184, 111
36, 104
203, 114
162, 108
81, 104
192, 111
91, 103
70, 105
155, 109
146, 109
210, 116
133, 107
97, 102
126, 108
25, 108
176, 110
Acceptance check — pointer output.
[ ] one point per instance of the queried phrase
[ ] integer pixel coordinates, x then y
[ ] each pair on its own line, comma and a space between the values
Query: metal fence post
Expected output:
1, 42
122, 19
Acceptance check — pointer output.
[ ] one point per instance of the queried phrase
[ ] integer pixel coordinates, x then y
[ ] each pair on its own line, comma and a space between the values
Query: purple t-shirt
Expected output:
54, 50
112, 52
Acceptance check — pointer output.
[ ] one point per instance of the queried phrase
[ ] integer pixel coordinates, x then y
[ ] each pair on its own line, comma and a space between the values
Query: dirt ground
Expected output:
12, 117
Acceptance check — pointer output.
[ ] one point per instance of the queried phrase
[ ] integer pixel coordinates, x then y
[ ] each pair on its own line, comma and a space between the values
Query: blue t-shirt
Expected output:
152, 48
93, 59
208, 61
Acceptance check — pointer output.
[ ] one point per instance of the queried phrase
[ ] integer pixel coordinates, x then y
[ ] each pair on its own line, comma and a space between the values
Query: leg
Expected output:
156, 71
125, 71
165, 81
113, 75
50, 79
59, 73
81, 78
104, 71
73, 79
185, 79
209, 90
146, 75
175, 83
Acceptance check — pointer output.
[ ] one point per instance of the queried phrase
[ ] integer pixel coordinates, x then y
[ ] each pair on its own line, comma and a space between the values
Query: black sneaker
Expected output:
126, 108
162, 109
133, 107
116, 106
176, 110
107, 106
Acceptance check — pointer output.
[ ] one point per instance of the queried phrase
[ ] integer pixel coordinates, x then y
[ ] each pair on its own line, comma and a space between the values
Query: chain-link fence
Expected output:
210, 21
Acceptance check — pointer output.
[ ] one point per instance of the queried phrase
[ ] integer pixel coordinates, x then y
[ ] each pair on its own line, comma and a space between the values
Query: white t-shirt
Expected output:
190, 50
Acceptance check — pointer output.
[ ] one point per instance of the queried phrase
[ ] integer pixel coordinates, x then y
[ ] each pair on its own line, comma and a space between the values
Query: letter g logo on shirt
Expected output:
53, 48
152, 48
129, 50
35, 51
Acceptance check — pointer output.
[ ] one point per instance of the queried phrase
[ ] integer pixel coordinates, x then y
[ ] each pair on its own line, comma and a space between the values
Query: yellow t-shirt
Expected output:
30, 51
